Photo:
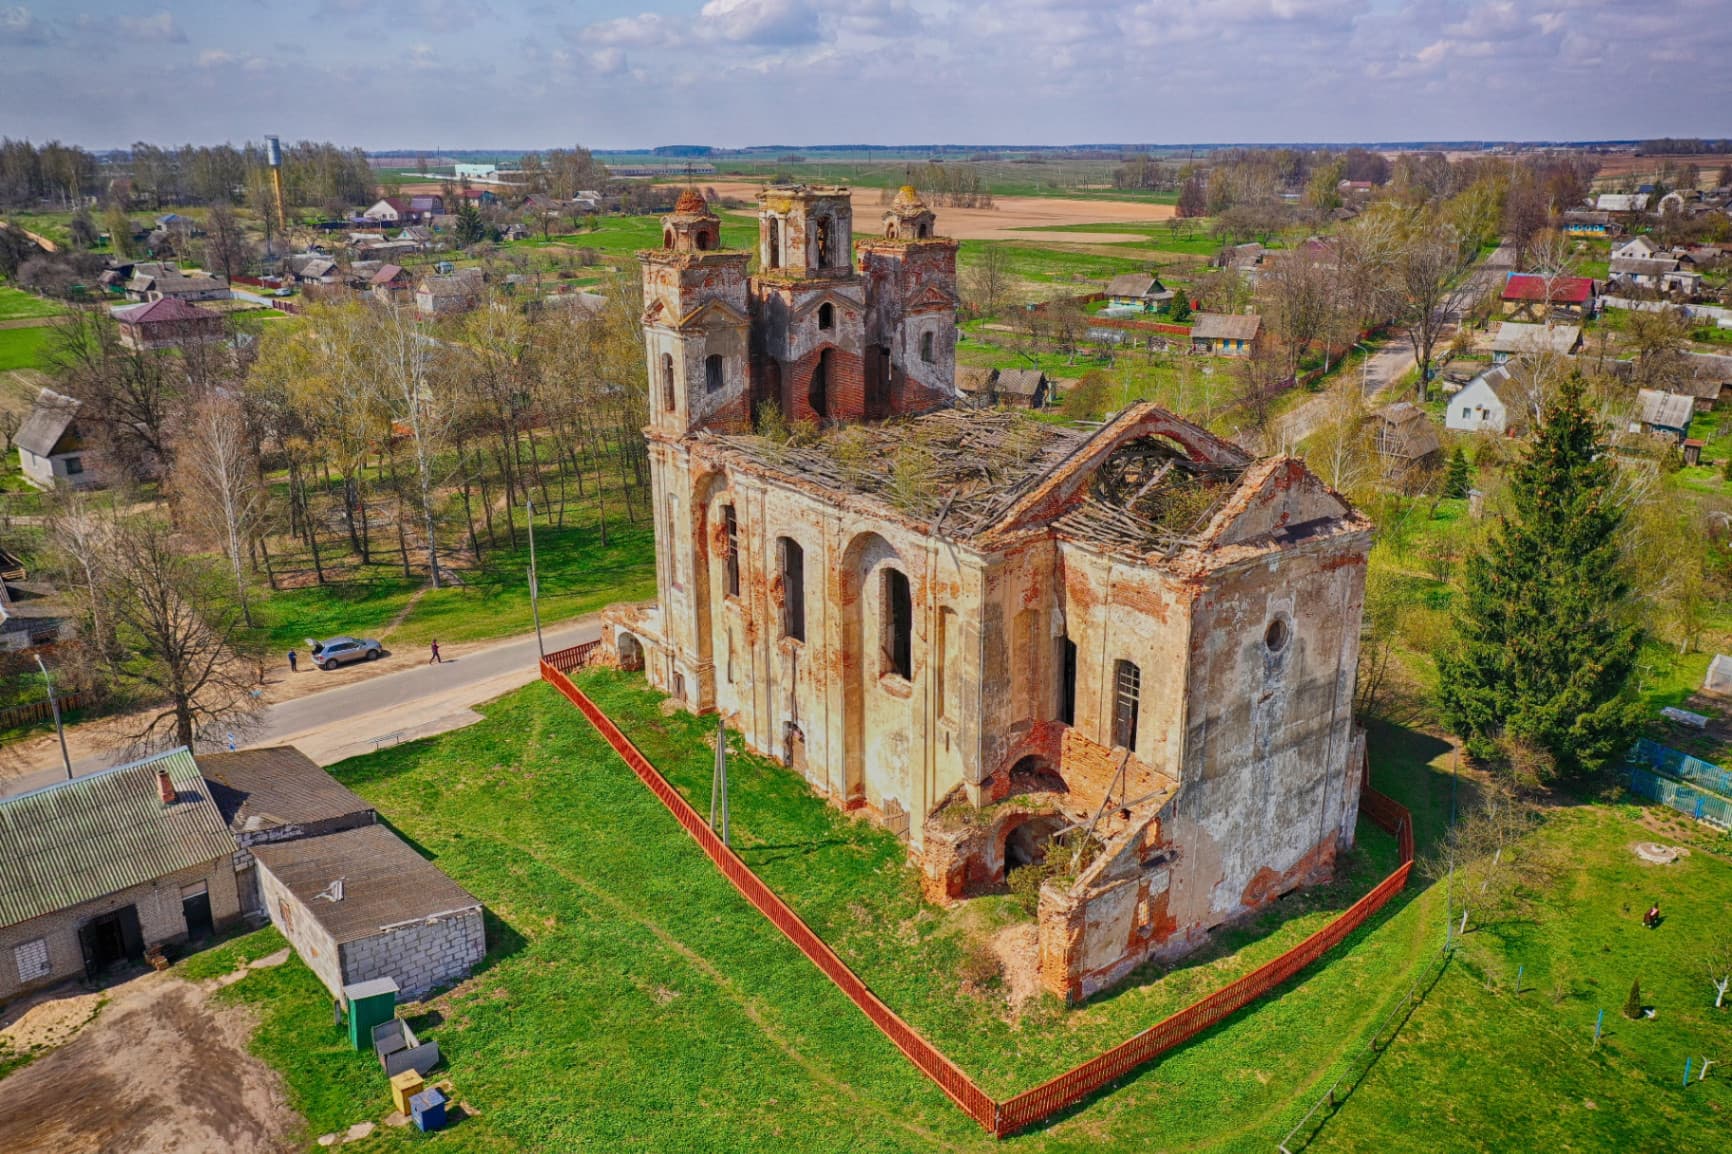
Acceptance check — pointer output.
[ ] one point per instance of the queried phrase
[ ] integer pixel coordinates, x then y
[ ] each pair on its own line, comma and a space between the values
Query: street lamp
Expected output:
54, 704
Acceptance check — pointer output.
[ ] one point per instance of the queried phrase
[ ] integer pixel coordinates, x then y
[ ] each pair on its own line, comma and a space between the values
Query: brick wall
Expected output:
160, 921
846, 389
421, 956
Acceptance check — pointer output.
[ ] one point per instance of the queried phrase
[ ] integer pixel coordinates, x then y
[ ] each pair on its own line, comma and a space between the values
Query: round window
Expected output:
1276, 636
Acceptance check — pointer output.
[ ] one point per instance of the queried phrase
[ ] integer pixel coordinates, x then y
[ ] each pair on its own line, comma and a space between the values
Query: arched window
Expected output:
713, 373
826, 316
730, 551
705, 241
818, 395
1127, 693
668, 382
926, 342
792, 560
773, 258
667, 238
897, 611
824, 242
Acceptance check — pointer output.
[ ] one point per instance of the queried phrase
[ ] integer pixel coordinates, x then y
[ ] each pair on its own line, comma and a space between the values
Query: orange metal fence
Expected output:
565, 660
1033, 1105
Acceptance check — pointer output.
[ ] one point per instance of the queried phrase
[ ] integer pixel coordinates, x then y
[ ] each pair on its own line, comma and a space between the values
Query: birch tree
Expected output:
219, 480
405, 374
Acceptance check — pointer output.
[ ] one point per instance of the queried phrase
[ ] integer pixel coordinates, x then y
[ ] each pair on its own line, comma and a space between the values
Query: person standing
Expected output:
435, 659
291, 661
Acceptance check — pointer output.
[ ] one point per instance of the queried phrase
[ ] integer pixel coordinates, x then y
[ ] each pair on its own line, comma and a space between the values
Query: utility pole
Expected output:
534, 603
719, 779
54, 704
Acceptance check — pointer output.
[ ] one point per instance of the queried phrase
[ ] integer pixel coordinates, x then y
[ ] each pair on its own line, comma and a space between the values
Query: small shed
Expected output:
1515, 339
1665, 414
360, 904
51, 449
1406, 441
974, 383
1021, 388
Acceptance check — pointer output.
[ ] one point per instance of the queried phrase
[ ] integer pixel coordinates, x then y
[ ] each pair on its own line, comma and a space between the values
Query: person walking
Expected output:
435, 659
292, 661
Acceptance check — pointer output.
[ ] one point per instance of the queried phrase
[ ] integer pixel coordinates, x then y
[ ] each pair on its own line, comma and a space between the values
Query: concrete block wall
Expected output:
297, 923
420, 956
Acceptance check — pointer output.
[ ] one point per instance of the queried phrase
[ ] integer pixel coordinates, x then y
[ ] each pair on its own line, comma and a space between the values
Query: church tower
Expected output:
696, 325
808, 306
910, 352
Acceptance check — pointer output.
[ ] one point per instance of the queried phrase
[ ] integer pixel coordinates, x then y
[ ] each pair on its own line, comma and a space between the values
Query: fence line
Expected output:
16, 715
1031, 1106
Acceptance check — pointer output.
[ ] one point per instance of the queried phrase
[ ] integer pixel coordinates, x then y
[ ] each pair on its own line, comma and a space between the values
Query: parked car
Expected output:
335, 651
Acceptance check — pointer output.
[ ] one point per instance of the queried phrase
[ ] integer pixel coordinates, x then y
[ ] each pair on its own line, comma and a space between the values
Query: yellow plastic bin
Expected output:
404, 1087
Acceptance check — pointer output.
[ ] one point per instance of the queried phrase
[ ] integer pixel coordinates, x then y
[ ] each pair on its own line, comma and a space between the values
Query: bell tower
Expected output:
808, 306
910, 361
696, 325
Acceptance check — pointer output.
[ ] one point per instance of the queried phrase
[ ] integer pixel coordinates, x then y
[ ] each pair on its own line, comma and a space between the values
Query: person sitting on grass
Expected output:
1651, 919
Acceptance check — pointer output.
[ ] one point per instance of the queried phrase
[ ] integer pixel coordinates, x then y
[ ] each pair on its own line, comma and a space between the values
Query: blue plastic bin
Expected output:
428, 1110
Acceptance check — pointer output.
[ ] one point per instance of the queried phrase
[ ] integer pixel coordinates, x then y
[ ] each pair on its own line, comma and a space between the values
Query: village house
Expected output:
1659, 274
1491, 403
1406, 444
1021, 389
390, 282
1225, 334
1244, 259
1141, 636
154, 282
96, 871
1663, 414
1636, 248
1139, 291
974, 384
167, 323
33, 615
1581, 223
1572, 297
1514, 339
457, 292
51, 448
1624, 203
388, 210
426, 207
1708, 380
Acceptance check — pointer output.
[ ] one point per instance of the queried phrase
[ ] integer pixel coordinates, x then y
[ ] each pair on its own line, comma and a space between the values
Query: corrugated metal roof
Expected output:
385, 883
278, 785
96, 835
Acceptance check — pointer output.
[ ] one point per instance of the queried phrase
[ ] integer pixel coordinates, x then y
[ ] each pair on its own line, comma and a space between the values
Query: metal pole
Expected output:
534, 601
54, 704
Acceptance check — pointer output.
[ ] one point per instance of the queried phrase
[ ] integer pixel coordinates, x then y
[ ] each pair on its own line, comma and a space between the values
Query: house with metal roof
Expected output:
1664, 414
1514, 339
51, 449
97, 870
1525, 296
1229, 334
1138, 290
1491, 403
360, 904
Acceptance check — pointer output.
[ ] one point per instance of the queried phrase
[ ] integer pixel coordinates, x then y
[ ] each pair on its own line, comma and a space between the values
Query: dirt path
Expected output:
161, 1068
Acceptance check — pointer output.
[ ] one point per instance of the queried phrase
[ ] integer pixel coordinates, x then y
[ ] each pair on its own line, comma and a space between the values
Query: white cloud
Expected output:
18, 25
159, 28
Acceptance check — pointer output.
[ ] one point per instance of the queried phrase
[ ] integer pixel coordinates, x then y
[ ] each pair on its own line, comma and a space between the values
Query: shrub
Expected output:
1633, 1004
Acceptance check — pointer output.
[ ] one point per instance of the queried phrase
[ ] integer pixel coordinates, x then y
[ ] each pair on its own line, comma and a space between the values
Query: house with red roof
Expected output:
167, 322
1524, 297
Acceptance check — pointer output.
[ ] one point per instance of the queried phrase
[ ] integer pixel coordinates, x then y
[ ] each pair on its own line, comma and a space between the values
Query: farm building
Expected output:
51, 449
276, 794
97, 870
1144, 635
359, 904
1228, 334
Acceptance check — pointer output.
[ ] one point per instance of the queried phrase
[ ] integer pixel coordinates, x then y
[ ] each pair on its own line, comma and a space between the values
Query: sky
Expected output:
480, 74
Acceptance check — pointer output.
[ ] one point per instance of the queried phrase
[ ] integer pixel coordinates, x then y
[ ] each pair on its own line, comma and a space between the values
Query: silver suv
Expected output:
335, 651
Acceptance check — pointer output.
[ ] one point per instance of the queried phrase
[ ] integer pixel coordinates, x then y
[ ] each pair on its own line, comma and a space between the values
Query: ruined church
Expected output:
1133, 645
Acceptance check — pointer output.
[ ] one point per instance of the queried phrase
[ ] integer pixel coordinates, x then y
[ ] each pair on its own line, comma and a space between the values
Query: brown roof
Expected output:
973, 380
386, 274
1020, 382
384, 882
261, 788
1225, 326
1408, 432
164, 311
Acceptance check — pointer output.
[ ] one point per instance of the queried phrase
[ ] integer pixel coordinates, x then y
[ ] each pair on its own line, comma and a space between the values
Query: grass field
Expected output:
16, 304
633, 1001
23, 348
578, 576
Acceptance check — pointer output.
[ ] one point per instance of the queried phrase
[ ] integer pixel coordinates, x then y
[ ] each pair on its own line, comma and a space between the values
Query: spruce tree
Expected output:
1458, 478
1181, 307
1545, 647
470, 228
1633, 1003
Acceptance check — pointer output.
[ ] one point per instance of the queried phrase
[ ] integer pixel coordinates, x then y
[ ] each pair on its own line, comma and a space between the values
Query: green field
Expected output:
626, 975
16, 304
25, 348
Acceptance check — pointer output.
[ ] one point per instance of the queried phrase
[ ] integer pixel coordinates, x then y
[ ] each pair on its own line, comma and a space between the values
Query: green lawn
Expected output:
578, 576
632, 1000
24, 348
16, 304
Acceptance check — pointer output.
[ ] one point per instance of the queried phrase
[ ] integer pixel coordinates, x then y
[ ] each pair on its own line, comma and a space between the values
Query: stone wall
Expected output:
421, 956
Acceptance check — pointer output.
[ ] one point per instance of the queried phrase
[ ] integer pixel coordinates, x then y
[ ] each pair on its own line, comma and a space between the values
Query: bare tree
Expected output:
179, 634
988, 280
226, 247
1427, 265
1717, 961
1299, 292
407, 379
219, 480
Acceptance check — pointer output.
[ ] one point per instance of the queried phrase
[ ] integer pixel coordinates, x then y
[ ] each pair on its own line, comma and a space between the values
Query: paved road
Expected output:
346, 720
